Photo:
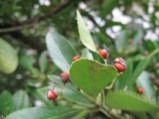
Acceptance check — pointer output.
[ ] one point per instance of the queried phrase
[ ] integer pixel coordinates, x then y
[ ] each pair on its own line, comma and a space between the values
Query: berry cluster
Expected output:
118, 63
51, 94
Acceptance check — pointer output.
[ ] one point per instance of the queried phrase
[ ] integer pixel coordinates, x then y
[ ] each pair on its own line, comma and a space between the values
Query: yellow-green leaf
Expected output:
8, 57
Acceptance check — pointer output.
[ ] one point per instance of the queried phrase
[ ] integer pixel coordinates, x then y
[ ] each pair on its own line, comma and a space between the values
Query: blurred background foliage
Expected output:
128, 28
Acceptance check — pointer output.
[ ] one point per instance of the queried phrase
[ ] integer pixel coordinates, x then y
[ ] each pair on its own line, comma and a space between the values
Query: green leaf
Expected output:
91, 55
129, 101
123, 79
85, 35
27, 62
40, 94
146, 84
121, 41
43, 113
21, 100
69, 92
86, 54
6, 103
8, 57
91, 76
107, 7
140, 67
43, 62
60, 50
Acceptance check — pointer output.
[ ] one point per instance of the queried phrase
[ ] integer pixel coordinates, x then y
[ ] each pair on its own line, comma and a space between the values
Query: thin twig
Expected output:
31, 22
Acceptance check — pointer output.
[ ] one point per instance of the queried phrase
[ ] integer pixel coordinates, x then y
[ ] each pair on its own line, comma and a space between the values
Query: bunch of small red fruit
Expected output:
119, 64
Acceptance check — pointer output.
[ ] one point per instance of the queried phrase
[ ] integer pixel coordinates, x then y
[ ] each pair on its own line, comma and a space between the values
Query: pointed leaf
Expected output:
85, 35
146, 84
60, 50
91, 76
140, 67
129, 101
8, 57
43, 61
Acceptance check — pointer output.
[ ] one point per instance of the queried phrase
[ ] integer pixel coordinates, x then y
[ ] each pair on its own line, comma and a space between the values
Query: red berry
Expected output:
51, 95
119, 64
140, 90
75, 58
65, 77
103, 53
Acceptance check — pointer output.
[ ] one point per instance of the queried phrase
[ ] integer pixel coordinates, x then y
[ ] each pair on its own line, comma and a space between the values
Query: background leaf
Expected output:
146, 84
43, 61
60, 50
130, 101
21, 100
8, 57
43, 113
6, 103
91, 76
85, 35
124, 78
27, 63
140, 67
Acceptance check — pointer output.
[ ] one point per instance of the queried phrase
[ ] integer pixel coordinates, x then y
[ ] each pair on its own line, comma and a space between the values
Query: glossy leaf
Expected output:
43, 113
69, 92
60, 50
91, 76
129, 101
140, 67
8, 57
6, 103
21, 100
85, 35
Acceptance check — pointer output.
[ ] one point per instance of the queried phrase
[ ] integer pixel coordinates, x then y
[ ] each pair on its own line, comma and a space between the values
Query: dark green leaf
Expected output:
6, 103
60, 50
130, 101
91, 76
85, 35
107, 7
